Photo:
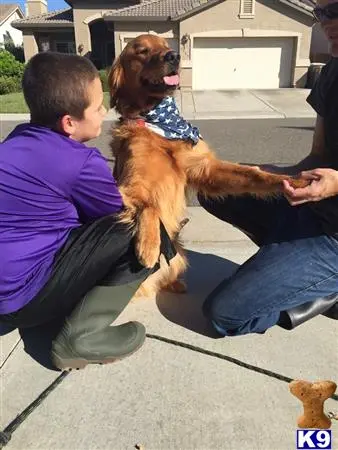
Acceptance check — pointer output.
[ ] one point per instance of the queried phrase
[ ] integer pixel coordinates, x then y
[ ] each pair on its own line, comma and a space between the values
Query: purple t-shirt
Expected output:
49, 184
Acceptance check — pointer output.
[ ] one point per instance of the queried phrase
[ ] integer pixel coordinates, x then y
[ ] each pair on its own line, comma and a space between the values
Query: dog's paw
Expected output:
178, 287
298, 182
143, 292
148, 255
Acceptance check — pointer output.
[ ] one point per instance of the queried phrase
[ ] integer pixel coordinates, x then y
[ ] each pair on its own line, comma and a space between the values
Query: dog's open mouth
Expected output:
171, 80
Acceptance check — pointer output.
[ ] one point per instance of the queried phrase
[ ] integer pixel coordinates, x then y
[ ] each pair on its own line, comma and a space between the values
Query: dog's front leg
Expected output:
148, 237
213, 177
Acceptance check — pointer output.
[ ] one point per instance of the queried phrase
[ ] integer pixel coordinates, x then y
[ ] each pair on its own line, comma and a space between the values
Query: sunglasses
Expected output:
329, 12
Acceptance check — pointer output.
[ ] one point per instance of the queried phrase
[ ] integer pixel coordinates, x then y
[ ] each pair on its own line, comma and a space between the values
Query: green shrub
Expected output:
9, 85
16, 50
9, 66
104, 79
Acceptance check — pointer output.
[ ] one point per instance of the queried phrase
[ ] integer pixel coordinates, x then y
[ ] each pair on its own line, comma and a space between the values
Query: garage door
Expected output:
242, 63
172, 42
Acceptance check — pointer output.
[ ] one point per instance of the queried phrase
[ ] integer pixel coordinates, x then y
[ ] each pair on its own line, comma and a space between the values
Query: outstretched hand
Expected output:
323, 184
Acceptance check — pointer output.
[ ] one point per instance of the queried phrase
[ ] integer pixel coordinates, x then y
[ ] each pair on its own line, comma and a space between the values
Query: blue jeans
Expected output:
296, 263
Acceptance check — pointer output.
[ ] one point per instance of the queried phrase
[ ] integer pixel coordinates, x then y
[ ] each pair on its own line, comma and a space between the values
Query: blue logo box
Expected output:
314, 439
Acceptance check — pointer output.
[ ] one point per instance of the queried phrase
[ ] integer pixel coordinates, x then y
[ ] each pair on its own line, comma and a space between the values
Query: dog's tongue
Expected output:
172, 80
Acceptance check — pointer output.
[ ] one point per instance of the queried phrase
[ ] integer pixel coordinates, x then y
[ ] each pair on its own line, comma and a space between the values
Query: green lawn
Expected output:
15, 103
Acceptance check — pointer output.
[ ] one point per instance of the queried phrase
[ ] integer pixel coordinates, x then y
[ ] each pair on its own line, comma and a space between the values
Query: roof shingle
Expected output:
169, 9
173, 9
162, 9
308, 5
6, 9
60, 17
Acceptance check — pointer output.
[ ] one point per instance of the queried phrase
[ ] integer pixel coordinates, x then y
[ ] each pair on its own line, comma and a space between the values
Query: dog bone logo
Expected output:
313, 396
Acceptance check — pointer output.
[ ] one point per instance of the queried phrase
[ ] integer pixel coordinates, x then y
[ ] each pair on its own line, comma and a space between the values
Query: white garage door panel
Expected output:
247, 63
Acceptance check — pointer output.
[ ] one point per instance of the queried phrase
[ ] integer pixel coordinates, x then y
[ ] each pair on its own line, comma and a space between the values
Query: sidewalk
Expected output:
246, 104
169, 396
242, 104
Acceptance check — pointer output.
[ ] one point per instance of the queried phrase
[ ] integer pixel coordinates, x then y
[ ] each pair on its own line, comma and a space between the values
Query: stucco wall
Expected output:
30, 44
133, 29
6, 27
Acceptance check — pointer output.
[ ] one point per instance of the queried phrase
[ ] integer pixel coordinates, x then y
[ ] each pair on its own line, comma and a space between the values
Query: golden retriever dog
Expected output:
158, 155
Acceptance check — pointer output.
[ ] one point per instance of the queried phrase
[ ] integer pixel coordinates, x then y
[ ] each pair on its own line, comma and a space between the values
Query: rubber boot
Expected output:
294, 317
87, 337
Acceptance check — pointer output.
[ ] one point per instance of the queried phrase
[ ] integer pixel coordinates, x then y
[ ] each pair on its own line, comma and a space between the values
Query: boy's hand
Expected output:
324, 184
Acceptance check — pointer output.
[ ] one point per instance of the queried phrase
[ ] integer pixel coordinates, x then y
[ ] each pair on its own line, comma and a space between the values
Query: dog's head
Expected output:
145, 72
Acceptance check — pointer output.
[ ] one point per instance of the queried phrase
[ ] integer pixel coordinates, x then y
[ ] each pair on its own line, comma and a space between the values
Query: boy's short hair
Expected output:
55, 84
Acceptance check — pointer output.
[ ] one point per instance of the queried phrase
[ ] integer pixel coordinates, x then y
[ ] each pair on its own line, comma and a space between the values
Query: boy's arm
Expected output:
95, 193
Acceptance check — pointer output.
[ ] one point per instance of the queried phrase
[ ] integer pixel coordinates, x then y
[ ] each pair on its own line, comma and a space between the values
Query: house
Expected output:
9, 12
224, 44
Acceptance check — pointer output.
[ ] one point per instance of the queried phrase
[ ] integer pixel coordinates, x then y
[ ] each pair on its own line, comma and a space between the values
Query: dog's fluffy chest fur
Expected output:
149, 169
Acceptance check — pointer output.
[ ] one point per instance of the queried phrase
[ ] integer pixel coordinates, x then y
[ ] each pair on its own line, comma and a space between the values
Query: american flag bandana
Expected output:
165, 119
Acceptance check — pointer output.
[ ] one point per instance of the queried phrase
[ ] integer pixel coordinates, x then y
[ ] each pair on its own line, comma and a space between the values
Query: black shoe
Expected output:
294, 317
332, 313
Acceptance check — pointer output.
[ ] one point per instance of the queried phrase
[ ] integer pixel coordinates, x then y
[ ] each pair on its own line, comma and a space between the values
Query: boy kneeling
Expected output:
62, 251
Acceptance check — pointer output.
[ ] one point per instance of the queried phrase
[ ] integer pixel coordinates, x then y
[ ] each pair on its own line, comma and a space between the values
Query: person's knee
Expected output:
229, 320
226, 325
229, 323
234, 312
225, 320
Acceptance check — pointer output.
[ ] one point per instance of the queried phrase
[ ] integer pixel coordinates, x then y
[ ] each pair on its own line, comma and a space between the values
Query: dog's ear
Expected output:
116, 79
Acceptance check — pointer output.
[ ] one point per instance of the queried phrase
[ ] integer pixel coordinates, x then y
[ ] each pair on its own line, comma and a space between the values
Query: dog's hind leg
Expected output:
148, 237
167, 277
171, 279
153, 284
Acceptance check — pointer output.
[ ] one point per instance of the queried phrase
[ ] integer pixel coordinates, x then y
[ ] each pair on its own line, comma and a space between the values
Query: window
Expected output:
44, 43
247, 9
65, 47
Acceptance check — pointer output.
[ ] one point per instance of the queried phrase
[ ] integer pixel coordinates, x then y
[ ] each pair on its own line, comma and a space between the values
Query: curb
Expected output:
14, 117
192, 116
